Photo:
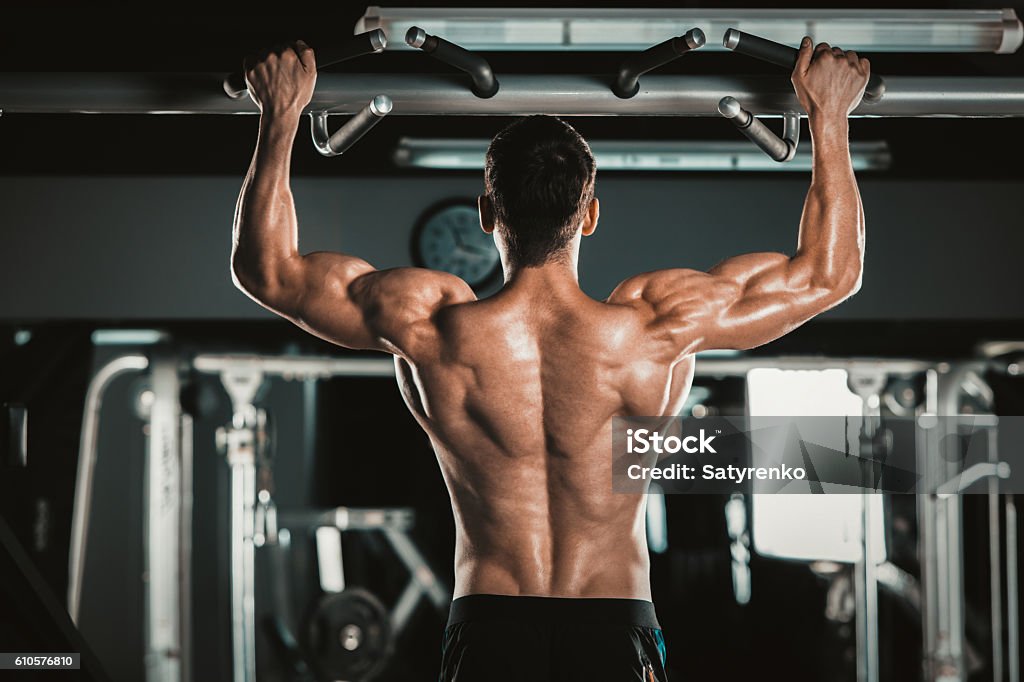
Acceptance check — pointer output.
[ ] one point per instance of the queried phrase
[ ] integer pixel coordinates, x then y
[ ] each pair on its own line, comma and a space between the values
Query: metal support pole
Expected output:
866, 596
868, 384
87, 456
186, 447
1012, 592
238, 442
995, 560
940, 528
162, 510
927, 443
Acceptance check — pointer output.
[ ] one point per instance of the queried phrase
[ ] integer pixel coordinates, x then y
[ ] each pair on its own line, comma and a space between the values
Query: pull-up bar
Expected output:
448, 95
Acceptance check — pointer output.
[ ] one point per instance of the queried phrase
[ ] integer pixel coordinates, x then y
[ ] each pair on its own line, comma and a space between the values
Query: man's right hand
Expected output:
282, 80
829, 81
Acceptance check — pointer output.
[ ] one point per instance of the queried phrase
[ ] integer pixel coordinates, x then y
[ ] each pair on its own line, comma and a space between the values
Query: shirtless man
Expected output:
517, 391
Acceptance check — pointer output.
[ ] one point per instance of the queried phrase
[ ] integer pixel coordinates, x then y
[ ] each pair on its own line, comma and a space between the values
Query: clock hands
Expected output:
462, 247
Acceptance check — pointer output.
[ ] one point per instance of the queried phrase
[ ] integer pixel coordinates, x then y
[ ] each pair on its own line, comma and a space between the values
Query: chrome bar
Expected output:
440, 95
87, 454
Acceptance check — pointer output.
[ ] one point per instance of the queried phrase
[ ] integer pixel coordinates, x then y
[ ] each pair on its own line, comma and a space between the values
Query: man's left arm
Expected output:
338, 297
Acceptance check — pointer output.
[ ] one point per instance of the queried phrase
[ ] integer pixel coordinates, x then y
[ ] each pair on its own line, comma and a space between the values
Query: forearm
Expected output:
831, 240
265, 225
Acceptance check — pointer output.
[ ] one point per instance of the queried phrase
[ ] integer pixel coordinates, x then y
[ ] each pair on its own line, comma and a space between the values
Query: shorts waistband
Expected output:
491, 607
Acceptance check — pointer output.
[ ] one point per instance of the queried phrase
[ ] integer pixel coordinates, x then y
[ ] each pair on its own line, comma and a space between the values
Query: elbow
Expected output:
244, 277
845, 282
262, 283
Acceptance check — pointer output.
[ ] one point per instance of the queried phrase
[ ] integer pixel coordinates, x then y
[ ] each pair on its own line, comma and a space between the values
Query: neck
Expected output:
555, 276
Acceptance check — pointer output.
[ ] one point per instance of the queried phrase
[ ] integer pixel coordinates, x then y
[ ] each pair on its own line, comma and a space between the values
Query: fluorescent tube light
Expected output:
869, 30
127, 337
639, 155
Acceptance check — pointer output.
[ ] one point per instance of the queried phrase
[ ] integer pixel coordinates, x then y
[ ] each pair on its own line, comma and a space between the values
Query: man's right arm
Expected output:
752, 299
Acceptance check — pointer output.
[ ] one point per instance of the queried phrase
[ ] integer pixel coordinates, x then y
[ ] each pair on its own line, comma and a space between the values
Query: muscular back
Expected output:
517, 396
517, 392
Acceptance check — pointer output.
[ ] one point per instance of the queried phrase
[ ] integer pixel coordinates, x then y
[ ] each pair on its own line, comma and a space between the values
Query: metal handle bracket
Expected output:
780, 149
338, 142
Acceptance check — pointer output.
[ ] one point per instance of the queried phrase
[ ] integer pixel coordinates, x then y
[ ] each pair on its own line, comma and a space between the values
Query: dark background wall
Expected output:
156, 247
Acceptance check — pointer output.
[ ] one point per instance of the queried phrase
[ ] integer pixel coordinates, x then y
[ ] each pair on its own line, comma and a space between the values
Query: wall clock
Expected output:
448, 237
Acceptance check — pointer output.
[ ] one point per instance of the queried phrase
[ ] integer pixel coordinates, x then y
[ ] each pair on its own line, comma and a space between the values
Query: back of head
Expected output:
539, 175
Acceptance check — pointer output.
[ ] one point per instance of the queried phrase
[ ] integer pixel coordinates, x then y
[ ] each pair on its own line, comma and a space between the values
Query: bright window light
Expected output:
808, 527
657, 520
874, 30
640, 155
328, 558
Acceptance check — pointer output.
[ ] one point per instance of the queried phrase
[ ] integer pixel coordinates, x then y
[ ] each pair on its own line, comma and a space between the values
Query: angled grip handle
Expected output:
338, 142
785, 56
627, 82
485, 85
365, 43
780, 149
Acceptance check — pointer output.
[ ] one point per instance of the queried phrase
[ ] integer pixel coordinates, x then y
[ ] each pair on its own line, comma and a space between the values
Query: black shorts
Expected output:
531, 639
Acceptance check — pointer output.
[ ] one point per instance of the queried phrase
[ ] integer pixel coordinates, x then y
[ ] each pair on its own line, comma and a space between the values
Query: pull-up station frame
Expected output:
372, 97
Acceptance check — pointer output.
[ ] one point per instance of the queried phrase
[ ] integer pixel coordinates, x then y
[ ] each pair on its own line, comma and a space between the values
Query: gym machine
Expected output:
365, 628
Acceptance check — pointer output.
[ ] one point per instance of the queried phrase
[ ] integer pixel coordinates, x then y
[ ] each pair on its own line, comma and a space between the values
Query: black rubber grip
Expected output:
627, 82
364, 43
785, 56
485, 85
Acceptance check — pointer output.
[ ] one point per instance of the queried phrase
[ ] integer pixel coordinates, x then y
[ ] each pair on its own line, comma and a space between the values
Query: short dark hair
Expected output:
539, 175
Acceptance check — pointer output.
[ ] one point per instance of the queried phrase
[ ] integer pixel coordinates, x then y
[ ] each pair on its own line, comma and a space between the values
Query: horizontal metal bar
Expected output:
440, 95
739, 366
710, 364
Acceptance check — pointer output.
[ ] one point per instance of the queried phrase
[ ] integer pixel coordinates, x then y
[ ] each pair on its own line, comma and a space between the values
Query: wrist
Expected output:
286, 120
829, 127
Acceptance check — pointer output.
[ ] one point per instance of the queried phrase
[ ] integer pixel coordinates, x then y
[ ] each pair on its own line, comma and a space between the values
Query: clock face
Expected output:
450, 239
